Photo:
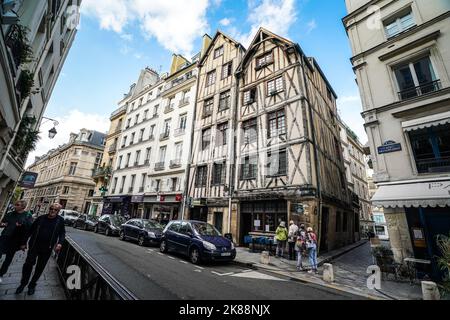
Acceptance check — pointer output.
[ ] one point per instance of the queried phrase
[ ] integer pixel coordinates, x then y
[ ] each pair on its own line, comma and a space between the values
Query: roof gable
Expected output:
213, 42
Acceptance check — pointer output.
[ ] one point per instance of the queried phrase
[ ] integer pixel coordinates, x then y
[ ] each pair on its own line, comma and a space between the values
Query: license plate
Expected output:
225, 254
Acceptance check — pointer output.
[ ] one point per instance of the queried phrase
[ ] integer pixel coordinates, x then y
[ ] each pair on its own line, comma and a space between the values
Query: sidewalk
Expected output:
48, 286
349, 264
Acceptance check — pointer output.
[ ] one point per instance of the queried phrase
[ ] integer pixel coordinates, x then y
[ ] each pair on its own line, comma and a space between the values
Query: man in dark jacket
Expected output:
46, 232
16, 224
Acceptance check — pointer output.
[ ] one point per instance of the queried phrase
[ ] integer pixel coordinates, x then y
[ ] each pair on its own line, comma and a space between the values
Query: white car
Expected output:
69, 216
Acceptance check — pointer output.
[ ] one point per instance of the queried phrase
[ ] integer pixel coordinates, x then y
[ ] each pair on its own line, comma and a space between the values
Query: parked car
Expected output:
199, 240
69, 216
144, 231
109, 224
85, 222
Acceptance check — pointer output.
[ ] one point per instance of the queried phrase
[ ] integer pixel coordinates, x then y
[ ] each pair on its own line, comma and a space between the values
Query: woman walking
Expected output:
311, 245
281, 235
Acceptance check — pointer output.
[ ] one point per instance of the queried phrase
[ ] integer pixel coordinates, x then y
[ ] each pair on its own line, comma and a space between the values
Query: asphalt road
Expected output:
151, 275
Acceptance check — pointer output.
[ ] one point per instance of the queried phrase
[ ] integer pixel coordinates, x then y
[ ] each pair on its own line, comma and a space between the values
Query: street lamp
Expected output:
52, 132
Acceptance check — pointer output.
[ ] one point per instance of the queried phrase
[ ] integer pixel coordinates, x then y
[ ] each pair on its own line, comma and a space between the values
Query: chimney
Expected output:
206, 41
73, 136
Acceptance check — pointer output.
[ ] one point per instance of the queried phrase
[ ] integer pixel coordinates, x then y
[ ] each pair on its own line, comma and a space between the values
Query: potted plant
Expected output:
17, 41
443, 243
25, 83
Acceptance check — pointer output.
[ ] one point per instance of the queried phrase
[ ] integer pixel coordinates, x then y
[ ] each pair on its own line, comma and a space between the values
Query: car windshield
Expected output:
117, 220
72, 213
149, 224
92, 218
205, 229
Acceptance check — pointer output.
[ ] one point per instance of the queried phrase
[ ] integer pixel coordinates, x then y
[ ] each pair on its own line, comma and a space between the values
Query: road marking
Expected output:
183, 261
222, 274
247, 270
200, 267
257, 275
196, 270
160, 254
171, 257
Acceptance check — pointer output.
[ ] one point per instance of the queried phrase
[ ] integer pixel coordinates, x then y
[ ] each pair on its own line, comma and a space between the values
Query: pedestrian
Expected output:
300, 246
281, 235
16, 224
292, 237
46, 232
311, 245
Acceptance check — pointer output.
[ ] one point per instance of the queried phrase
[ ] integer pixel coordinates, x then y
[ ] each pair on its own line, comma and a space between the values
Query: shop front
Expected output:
199, 209
120, 205
137, 206
163, 208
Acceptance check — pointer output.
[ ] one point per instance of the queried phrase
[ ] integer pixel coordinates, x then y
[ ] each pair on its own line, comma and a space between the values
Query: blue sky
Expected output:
116, 39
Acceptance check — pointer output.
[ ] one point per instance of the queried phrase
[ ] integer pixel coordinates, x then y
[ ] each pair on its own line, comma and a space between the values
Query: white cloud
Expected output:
225, 22
274, 15
127, 37
175, 24
72, 122
311, 26
350, 108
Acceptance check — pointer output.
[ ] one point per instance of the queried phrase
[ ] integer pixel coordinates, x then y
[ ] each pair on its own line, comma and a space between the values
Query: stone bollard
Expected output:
328, 274
430, 291
265, 257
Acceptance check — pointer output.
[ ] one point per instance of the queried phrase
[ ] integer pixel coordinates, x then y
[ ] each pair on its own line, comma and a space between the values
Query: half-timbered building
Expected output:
288, 156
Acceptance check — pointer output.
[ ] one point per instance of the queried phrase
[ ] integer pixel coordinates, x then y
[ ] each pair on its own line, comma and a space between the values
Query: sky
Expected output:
116, 39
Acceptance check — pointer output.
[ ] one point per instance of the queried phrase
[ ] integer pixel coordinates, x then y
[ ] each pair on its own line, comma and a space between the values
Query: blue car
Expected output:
198, 240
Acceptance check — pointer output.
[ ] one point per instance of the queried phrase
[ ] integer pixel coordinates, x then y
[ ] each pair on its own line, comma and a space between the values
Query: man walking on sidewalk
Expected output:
16, 224
292, 237
46, 232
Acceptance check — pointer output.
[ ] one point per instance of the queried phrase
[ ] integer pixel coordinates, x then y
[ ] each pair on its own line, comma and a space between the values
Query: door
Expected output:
172, 236
324, 230
184, 238
218, 221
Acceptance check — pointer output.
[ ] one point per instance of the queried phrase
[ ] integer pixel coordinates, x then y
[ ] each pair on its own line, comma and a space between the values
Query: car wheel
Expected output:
194, 256
122, 236
96, 229
163, 246
141, 241
107, 232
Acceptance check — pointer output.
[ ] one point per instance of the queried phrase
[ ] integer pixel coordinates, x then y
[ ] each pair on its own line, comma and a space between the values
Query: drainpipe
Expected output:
316, 158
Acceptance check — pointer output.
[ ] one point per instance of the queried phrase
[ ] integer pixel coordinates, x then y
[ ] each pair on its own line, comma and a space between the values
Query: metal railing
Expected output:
96, 282
159, 166
112, 148
420, 90
164, 136
179, 131
101, 172
175, 163
433, 165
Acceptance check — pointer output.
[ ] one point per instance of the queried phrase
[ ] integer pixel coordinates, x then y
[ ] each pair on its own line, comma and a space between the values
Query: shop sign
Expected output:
137, 198
161, 198
178, 197
199, 202
28, 179
297, 208
389, 146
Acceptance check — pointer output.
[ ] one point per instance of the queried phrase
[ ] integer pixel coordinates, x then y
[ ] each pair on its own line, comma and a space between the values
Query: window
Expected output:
182, 122
206, 138
128, 160
210, 78
208, 107
219, 174
66, 190
345, 222
222, 133
174, 182
119, 162
122, 184
277, 123
276, 163
225, 100
178, 151
416, 78
152, 131
90, 193
162, 154
132, 138
338, 221
145, 114
124, 142
431, 148
167, 128
200, 179
138, 155
249, 96
141, 135
158, 184
155, 111
265, 215
73, 168
218, 52
147, 155
143, 178
249, 168
264, 60
227, 70
136, 121
115, 185
140, 101
399, 24
77, 151
275, 86
250, 131
128, 123
133, 178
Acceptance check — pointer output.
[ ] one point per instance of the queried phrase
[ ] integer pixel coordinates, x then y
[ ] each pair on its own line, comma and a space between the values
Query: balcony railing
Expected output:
164, 136
101, 172
151, 138
147, 162
433, 165
169, 108
420, 90
180, 131
183, 102
159, 166
175, 163
112, 148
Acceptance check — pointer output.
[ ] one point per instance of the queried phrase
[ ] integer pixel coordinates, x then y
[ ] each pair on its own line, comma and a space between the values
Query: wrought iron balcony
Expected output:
420, 90
112, 148
180, 131
159, 166
175, 163
183, 102
164, 136
169, 108
433, 165
101, 172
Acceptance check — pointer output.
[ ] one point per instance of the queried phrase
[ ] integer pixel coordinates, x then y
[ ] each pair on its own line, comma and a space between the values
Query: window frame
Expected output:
276, 90
211, 78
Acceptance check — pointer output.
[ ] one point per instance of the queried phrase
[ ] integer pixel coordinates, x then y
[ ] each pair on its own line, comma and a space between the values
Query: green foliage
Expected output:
443, 243
26, 137
25, 83
17, 41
